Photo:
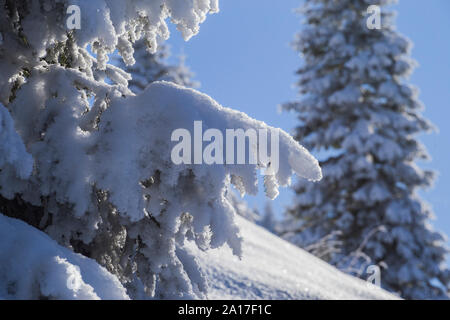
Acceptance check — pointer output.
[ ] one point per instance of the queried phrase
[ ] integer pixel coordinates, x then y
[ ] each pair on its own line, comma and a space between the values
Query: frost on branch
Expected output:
119, 182
38, 29
112, 24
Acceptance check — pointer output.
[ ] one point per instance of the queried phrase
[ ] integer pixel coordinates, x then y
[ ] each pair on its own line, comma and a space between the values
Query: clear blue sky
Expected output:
243, 59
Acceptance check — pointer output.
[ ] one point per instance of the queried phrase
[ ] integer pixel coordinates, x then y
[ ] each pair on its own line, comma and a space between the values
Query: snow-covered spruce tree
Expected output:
151, 67
357, 110
89, 163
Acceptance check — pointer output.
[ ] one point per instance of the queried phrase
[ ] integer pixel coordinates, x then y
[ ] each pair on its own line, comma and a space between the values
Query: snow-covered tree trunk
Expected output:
88, 162
357, 111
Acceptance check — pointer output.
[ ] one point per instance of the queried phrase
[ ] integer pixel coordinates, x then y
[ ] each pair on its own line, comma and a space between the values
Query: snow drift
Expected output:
35, 267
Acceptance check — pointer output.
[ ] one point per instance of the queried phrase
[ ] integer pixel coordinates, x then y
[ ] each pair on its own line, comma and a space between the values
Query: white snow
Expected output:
272, 268
35, 266
128, 143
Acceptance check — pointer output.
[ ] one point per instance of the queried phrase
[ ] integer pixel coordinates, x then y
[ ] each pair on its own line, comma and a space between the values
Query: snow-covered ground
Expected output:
272, 268
35, 266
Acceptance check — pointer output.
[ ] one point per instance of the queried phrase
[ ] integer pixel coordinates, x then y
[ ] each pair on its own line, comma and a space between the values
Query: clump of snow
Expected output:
119, 154
33, 266
105, 26
111, 24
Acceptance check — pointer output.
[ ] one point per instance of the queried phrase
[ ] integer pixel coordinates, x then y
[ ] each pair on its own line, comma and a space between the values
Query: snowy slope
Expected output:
272, 268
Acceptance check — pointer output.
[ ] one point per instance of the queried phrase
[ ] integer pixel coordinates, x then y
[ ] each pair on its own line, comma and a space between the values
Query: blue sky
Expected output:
243, 59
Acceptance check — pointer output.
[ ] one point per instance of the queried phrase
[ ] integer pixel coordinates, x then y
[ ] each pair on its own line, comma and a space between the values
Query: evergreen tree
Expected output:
150, 67
89, 163
358, 112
